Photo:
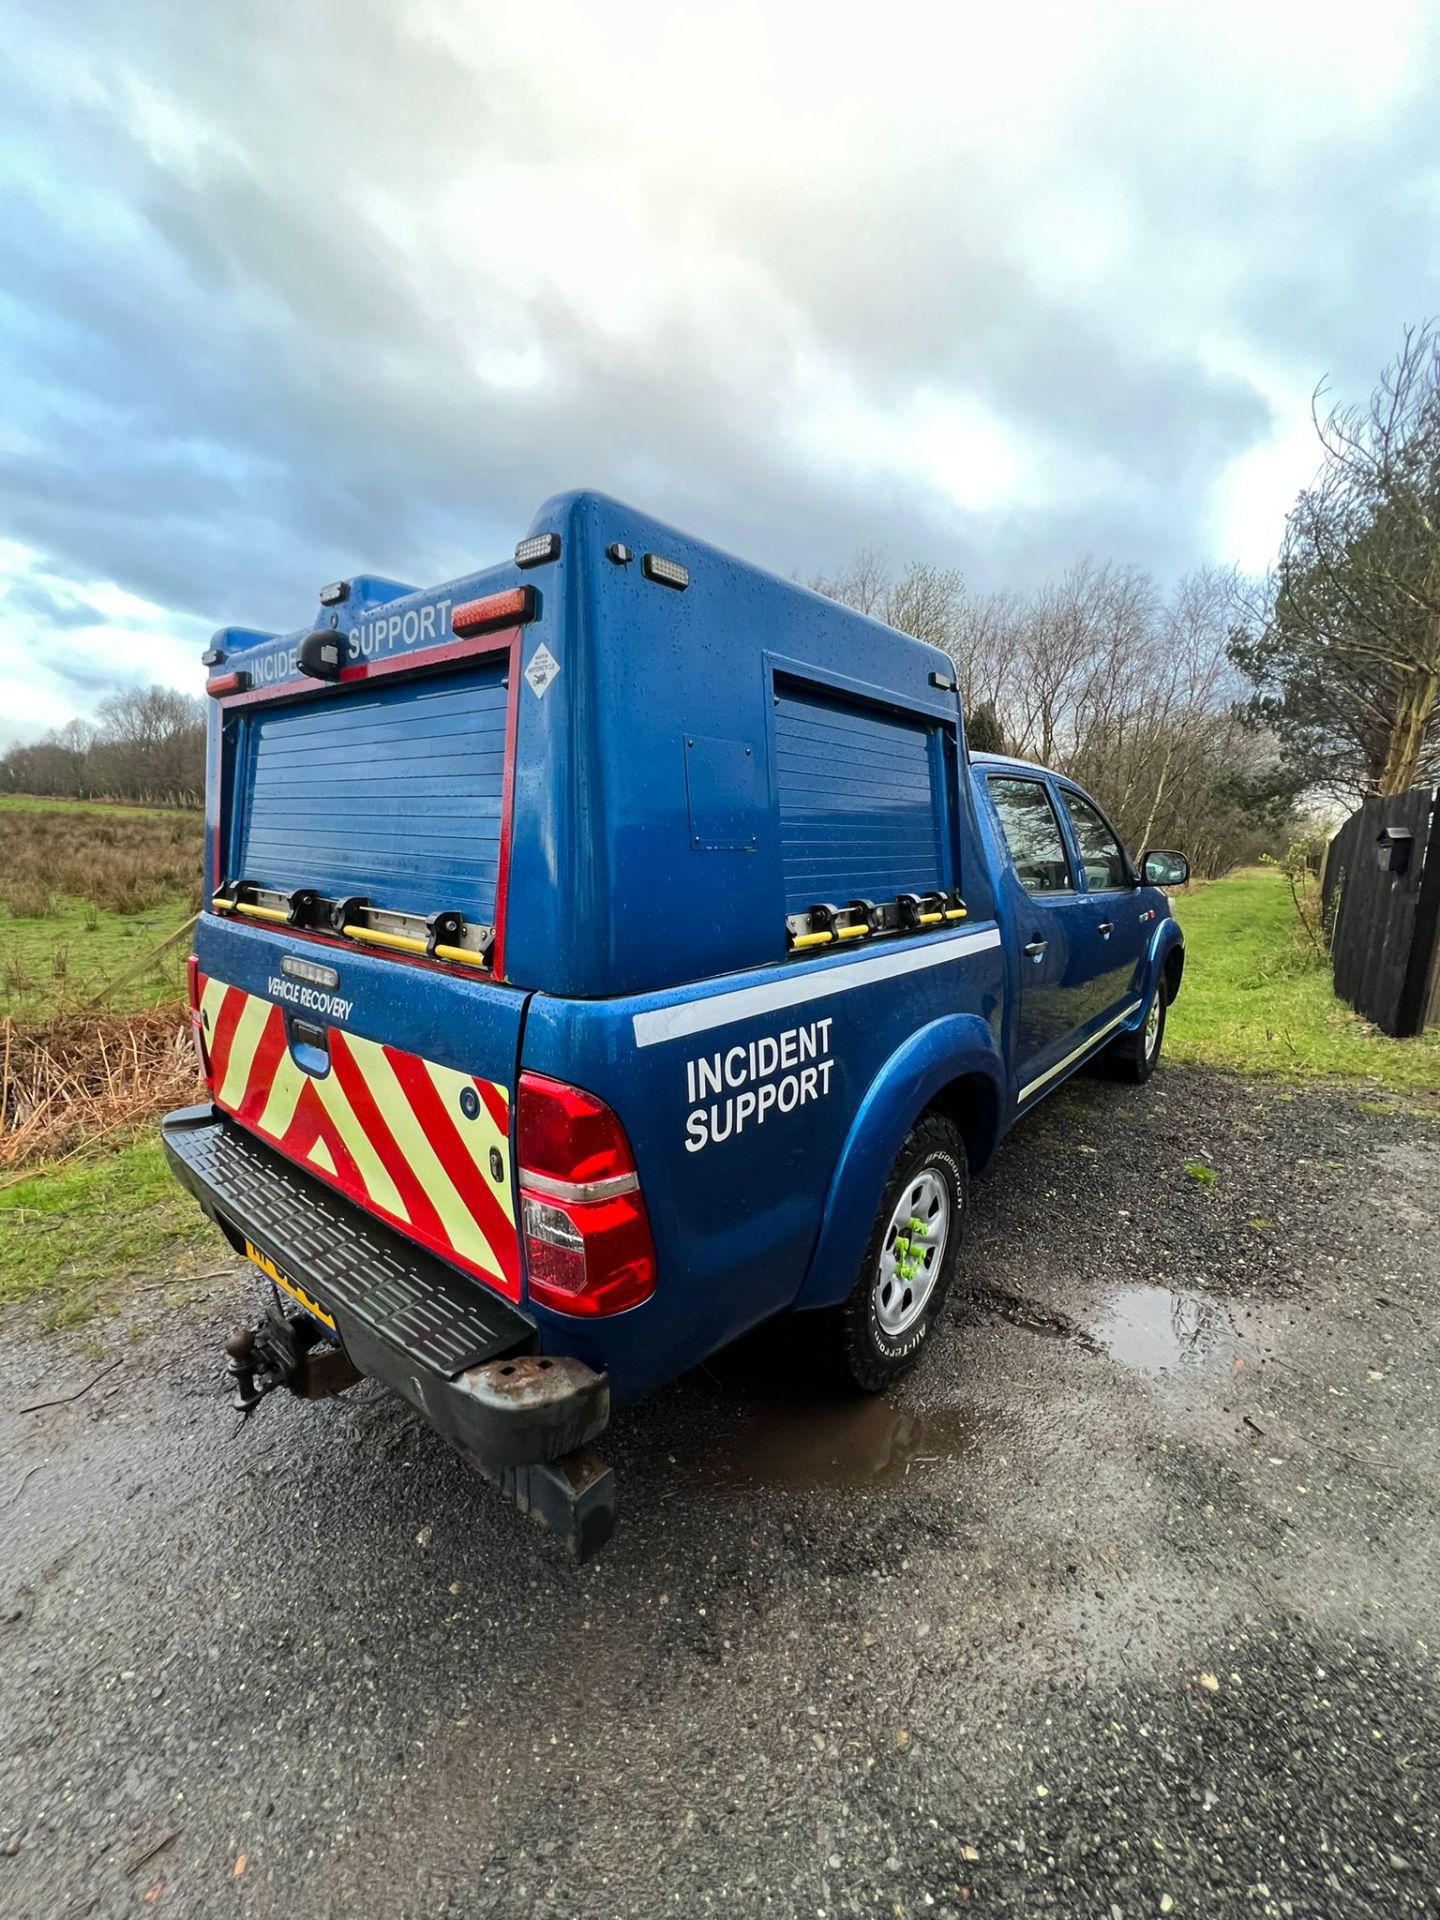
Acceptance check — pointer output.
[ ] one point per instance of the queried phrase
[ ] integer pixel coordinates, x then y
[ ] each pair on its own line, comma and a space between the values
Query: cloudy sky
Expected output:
297, 290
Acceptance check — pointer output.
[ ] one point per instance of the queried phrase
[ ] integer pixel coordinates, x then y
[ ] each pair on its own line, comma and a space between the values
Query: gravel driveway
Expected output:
1125, 1606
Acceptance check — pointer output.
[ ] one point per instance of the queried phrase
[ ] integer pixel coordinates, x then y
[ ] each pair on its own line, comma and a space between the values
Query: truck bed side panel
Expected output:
738, 1097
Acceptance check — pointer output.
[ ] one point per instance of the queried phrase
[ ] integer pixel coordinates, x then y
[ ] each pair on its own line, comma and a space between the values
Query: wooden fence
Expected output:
1381, 892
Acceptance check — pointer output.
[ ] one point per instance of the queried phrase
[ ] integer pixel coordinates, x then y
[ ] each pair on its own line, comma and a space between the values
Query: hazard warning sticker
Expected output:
542, 670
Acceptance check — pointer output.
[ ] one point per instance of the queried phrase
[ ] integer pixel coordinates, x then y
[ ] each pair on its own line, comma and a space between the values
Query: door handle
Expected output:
1036, 948
1107, 927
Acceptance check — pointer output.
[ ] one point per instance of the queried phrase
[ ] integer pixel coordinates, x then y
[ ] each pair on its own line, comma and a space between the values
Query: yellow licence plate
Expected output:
293, 1288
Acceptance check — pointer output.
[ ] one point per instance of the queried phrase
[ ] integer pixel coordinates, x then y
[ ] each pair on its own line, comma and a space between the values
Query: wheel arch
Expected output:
971, 1102
1164, 964
951, 1066
1172, 970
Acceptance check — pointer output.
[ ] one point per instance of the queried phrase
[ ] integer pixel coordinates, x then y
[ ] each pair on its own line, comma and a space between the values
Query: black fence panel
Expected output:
1382, 904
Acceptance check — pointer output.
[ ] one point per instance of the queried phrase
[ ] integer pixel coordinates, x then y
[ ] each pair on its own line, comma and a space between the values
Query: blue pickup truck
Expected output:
606, 952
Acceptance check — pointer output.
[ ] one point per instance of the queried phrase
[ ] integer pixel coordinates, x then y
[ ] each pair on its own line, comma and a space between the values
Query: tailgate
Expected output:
389, 1081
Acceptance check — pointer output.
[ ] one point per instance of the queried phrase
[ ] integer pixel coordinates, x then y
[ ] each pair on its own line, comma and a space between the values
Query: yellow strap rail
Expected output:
402, 943
940, 910
463, 954
371, 936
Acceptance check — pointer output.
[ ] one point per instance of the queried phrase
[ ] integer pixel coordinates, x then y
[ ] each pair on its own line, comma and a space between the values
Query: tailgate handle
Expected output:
310, 1048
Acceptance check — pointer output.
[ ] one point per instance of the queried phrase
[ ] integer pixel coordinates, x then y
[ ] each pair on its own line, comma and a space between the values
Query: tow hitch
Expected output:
378, 1306
572, 1493
285, 1350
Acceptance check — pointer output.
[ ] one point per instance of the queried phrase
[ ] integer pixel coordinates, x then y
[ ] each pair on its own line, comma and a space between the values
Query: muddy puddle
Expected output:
777, 1437
844, 1443
1155, 1330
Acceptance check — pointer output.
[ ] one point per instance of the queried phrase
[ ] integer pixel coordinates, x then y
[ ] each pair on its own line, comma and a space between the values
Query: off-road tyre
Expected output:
1134, 1056
886, 1323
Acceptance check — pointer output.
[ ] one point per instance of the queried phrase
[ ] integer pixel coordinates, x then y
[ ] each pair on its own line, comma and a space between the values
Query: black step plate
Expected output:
353, 1264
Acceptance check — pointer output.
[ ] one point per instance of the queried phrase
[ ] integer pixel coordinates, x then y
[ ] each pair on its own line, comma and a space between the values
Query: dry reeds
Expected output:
126, 862
88, 1075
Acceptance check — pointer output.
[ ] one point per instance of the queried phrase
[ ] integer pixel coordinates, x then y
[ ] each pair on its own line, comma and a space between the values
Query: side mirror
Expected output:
1164, 869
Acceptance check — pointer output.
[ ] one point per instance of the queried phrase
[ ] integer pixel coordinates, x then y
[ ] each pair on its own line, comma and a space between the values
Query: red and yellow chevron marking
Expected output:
383, 1126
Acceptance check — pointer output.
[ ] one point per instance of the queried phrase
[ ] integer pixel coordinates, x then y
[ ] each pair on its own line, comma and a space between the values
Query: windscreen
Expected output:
393, 793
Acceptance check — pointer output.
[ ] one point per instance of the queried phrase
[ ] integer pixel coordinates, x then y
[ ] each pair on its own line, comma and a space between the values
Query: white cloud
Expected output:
992, 286
65, 643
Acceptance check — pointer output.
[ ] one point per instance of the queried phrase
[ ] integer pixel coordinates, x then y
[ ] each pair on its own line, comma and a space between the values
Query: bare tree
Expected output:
1099, 674
863, 584
986, 654
1344, 649
148, 744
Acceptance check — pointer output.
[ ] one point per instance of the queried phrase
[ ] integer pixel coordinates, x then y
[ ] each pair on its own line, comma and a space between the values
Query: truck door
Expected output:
1050, 922
1115, 933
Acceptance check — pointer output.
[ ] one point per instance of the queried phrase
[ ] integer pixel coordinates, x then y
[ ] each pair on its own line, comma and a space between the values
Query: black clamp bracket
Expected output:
347, 909
306, 907
443, 929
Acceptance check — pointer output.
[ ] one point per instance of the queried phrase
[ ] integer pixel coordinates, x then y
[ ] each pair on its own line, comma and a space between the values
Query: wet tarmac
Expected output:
1124, 1605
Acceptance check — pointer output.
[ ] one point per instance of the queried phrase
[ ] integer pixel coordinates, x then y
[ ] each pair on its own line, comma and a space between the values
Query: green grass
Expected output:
86, 889
40, 803
73, 1237
65, 957
1256, 1001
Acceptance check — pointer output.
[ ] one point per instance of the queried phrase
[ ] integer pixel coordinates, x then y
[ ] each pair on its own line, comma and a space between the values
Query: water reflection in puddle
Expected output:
842, 1443
1154, 1330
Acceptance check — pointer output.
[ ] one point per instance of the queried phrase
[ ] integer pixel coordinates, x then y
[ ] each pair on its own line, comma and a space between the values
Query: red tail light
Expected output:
222, 683
197, 1021
587, 1235
495, 610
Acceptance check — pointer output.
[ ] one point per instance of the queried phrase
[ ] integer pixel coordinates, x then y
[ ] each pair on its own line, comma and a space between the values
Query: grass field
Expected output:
68, 957
86, 890
87, 893
1258, 1000
113, 809
69, 1235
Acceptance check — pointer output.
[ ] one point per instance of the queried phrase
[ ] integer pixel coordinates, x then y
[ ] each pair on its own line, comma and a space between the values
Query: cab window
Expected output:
1102, 858
1032, 834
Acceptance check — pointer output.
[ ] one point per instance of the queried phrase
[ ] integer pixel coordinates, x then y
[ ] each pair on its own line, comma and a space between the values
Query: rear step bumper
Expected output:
460, 1354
